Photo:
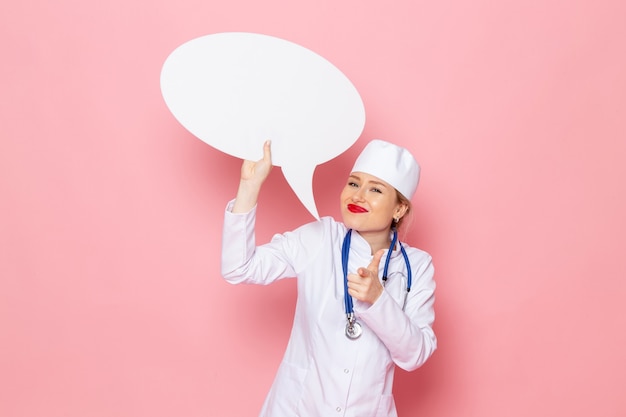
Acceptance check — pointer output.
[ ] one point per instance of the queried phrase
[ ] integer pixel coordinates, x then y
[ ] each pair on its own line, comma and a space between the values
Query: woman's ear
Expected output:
400, 211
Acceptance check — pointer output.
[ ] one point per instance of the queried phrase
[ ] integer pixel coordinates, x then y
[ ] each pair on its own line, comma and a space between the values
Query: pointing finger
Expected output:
373, 266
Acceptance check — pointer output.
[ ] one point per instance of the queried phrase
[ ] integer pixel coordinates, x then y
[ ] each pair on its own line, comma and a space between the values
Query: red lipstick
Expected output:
353, 208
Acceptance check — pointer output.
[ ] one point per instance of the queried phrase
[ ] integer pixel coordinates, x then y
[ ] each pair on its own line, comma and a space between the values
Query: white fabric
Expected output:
323, 373
391, 163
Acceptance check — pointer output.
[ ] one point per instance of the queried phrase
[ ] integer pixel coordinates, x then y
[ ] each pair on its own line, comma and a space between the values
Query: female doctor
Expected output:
365, 300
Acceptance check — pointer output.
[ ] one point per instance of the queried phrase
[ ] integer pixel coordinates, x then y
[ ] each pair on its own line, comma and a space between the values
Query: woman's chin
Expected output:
352, 221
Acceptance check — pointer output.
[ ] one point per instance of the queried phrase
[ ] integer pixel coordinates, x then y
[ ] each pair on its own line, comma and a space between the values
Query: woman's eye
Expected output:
353, 184
377, 190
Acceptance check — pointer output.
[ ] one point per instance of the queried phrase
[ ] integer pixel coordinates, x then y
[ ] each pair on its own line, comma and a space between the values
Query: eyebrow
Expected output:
370, 181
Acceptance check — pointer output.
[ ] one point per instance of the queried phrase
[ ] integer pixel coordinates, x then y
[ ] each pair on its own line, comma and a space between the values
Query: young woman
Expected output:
365, 300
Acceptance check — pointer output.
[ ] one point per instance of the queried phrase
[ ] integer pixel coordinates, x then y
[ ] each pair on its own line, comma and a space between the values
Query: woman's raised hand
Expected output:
257, 172
253, 175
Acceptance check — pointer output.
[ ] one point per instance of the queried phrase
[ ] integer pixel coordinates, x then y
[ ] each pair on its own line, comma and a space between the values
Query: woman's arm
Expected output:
253, 175
408, 334
242, 260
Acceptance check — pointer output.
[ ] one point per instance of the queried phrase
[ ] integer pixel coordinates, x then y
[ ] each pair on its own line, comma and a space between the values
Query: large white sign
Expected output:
235, 90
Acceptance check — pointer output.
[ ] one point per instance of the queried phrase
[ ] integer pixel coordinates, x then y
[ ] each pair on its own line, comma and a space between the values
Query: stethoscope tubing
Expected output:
345, 254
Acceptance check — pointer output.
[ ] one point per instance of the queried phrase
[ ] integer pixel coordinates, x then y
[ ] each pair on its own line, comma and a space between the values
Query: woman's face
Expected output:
368, 204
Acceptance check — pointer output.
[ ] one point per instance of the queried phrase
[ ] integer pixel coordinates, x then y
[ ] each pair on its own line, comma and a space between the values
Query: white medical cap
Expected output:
391, 163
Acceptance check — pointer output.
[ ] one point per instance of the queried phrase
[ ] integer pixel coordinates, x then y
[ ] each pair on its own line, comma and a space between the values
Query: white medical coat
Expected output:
323, 373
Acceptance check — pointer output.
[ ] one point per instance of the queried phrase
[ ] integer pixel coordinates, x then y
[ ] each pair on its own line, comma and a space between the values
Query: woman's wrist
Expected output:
247, 197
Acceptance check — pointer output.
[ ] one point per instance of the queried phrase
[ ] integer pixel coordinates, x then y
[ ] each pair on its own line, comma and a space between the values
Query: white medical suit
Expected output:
323, 373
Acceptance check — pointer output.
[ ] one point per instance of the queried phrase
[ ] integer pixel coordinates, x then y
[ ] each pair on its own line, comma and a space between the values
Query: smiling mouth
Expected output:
353, 208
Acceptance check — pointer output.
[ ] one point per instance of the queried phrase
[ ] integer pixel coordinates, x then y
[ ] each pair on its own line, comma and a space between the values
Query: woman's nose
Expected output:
358, 195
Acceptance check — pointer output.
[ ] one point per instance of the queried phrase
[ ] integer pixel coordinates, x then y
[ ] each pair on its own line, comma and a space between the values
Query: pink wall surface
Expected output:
111, 303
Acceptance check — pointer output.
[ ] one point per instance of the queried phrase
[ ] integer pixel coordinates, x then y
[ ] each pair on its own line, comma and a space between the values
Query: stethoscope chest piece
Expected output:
353, 329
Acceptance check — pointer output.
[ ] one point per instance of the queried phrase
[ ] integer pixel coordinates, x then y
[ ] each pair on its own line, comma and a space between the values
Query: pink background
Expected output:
111, 303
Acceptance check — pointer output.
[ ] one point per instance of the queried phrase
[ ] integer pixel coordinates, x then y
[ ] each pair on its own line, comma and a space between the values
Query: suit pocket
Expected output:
286, 391
386, 407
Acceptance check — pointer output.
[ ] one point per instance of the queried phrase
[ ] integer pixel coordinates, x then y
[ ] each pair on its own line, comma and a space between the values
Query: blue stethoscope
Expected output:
353, 328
